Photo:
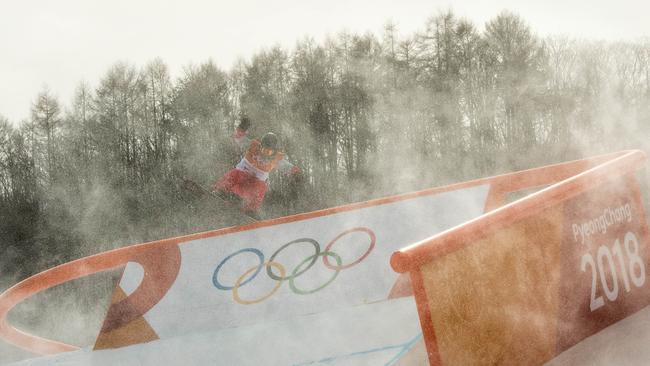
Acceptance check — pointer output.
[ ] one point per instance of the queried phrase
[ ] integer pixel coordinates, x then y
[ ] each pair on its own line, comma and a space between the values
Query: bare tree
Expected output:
46, 115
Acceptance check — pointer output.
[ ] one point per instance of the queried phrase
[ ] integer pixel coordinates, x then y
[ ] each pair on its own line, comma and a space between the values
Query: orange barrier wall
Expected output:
160, 259
528, 280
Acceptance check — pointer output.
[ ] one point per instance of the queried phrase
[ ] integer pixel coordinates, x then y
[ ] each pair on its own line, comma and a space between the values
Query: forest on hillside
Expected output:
363, 116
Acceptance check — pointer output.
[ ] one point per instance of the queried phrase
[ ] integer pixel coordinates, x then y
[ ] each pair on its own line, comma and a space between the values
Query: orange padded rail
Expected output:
452, 239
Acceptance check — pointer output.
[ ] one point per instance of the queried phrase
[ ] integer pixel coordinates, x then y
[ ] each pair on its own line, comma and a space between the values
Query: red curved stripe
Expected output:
161, 266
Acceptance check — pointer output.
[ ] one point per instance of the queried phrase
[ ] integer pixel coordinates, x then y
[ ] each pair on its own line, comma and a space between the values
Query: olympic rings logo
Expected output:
277, 272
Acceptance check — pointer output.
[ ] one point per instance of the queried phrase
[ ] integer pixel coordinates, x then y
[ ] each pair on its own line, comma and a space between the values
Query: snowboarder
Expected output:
248, 180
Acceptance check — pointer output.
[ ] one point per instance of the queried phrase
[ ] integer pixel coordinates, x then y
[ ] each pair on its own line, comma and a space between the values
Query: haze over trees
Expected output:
363, 115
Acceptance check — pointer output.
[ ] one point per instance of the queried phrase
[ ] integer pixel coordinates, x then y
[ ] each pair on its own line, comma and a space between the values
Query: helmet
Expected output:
270, 141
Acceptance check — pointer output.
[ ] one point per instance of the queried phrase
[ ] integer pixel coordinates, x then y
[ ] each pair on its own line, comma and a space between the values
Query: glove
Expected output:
297, 178
244, 123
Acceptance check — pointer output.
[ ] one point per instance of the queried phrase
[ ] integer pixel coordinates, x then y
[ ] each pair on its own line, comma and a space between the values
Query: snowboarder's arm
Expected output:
241, 138
241, 133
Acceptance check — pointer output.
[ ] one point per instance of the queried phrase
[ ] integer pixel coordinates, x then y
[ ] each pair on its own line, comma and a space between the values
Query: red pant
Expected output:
250, 189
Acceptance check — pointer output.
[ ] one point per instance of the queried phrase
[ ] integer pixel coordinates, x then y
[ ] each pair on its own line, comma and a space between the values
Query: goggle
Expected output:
268, 151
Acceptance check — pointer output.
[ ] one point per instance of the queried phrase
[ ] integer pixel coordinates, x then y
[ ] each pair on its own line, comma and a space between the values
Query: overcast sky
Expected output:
58, 43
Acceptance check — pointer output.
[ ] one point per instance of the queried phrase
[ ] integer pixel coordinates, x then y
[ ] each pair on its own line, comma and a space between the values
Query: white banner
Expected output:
301, 267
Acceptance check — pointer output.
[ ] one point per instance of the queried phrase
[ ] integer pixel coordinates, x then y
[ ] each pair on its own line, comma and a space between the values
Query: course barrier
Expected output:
152, 300
524, 282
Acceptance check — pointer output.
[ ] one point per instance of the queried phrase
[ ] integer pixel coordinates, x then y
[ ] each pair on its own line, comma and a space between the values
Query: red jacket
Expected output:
258, 165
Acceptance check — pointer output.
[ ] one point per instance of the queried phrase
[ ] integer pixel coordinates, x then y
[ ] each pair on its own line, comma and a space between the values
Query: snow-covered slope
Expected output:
372, 334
